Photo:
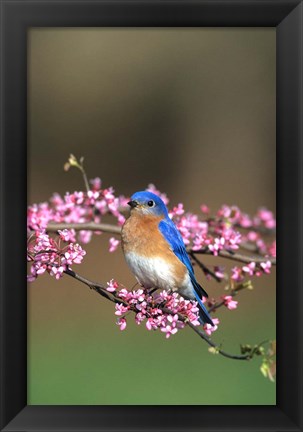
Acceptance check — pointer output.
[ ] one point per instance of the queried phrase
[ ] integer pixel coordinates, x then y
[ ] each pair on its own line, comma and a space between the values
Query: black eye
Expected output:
150, 203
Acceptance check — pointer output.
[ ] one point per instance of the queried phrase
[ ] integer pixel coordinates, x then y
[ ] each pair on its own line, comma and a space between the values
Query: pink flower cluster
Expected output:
47, 254
222, 231
251, 269
229, 302
209, 329
263, 218
78, 207
213, 234
159, 311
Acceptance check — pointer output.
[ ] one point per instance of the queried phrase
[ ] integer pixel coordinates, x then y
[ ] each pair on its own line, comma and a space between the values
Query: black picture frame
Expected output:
16, 18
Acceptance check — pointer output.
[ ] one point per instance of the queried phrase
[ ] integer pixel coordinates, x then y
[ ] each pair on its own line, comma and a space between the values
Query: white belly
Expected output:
157, 273
151, 272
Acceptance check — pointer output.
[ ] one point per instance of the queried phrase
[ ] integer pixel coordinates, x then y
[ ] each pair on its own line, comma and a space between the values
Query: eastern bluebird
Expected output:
155, 252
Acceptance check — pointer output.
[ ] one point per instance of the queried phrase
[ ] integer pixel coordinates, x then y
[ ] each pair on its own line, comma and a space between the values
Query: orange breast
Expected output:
141, 235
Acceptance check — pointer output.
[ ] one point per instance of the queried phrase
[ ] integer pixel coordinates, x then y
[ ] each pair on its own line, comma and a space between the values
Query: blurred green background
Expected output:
192, 111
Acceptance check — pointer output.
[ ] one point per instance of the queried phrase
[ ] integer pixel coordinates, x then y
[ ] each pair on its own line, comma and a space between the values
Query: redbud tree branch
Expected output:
101, 290
87, 226
232, 293
113, 229
203, 267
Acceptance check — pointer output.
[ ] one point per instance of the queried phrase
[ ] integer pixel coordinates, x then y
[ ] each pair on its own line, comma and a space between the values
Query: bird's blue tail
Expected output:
203, 314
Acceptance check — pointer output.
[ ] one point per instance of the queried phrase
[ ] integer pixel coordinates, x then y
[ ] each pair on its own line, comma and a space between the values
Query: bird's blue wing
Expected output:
173, 237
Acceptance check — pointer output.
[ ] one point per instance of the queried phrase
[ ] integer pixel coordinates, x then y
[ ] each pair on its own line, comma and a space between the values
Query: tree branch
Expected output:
232, 293
218, 350
101, 290
91, 226
235, 256
204, 268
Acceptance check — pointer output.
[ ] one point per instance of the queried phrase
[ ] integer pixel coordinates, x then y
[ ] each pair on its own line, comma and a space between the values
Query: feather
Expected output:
171, 234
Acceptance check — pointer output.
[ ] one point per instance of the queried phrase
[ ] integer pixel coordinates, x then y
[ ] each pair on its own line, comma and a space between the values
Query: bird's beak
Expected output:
132, 203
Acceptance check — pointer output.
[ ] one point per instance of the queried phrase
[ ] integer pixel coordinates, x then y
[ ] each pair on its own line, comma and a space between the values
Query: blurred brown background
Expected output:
192, 111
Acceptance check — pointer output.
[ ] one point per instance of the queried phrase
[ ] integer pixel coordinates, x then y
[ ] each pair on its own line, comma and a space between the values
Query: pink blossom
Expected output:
138, 295
205, 209
229, 302
169, 330
139, 318
178, 210
245, 221
121, 219
39, 267
47, 254
57, 272
31, 278
237, 274
151, 324
93, 195
85, 236
217, 245
112, 285
142, 307
252, 236
265, 217
224, 211
78, 197
109, 194
171, 327
67, 235
266, 266
121, 322
121, 309
147, 309
232, 239
78, 207
201, 241
96, 183
219, 271
232, 213
113, 244
113, 206
272, 249
56, 200
74, 254
250, 268
261, 246
209, 329
125, 294
43, 241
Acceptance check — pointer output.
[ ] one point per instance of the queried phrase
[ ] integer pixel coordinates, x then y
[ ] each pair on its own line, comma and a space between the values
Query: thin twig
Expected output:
99, 288
212, 344
204, 268
85, 178
232, 293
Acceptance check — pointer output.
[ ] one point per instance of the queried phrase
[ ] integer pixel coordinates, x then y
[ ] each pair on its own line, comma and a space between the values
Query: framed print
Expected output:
189, 96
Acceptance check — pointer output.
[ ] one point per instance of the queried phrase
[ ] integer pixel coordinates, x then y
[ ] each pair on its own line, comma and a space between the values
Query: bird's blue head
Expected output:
147, 203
